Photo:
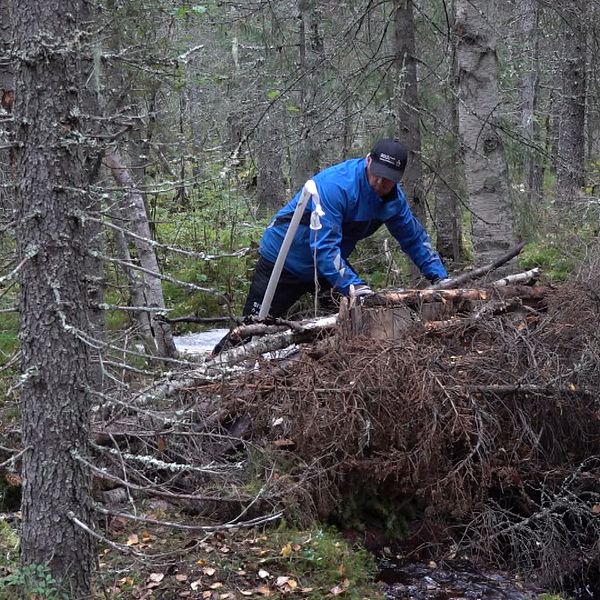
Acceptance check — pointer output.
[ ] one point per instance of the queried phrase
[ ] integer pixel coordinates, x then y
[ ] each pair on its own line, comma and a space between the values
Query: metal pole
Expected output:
308, 190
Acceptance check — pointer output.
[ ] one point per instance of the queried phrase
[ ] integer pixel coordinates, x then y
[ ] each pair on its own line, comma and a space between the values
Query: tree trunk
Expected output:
409, 108
306, 153
7, 97
270, 183
571, 138
270, 186
56, 364
529, 41
449, 181
486, 171
136, 210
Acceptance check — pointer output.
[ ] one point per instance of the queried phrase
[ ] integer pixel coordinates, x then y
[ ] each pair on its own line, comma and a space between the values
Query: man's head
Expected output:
388, 160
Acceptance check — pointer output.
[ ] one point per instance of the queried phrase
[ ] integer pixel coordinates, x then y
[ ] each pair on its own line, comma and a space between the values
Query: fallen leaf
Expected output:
196, 584
209, 571
292, 584
224, 549
246, 593
216, 585
207, 594
181, 577
225, 596
282, 580
263, 574
184, 594
156, 577
337, 590
286, 551
264, 590
132, 540
596, 508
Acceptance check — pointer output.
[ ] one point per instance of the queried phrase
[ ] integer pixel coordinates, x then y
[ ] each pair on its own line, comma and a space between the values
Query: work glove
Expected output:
361, 291
440, 282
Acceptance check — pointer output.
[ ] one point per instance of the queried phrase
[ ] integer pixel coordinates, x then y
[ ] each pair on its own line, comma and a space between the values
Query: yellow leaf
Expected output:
292, 584
286, 551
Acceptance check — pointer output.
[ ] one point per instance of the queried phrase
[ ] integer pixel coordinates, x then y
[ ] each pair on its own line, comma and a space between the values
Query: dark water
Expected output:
451, 580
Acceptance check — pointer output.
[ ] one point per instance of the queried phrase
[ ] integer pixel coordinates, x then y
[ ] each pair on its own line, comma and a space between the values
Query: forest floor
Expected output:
280, 562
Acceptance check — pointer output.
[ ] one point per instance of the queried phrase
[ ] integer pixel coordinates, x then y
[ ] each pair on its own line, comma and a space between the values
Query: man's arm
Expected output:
326, 242
415, 241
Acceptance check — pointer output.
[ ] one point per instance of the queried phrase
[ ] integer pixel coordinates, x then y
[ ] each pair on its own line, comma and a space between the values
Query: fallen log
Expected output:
416, 297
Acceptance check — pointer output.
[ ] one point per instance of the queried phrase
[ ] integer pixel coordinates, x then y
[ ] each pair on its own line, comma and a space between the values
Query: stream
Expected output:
451, 580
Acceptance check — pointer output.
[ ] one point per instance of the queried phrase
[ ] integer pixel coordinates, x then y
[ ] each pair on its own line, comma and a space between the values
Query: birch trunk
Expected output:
162, 337
486, 171
50, 229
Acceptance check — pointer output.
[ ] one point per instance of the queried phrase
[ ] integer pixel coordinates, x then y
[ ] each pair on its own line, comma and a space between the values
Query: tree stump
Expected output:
378, 322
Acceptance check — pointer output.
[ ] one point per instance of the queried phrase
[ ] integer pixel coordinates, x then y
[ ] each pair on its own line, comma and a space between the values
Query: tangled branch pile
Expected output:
492, 421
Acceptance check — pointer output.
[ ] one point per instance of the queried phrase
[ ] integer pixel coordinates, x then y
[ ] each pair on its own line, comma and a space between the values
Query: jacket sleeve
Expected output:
413, 240
325, 244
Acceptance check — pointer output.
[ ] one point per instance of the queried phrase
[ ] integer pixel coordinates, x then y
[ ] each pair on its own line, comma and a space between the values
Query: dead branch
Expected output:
527, 277
481, 271
206, 528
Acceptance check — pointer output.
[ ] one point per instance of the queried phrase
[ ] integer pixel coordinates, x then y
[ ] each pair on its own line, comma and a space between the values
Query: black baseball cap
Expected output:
388, 159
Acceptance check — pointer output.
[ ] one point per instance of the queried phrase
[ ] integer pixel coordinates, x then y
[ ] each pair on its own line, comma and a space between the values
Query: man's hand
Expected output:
440, 283
362, 290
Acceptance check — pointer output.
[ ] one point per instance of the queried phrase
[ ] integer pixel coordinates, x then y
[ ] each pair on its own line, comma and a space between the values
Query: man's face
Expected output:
381, 186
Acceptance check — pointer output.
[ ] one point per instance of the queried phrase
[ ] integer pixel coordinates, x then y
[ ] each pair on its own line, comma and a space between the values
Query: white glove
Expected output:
362, 290
441, 283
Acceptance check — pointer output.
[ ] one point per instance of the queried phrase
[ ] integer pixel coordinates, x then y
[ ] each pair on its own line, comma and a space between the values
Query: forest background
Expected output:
145, 145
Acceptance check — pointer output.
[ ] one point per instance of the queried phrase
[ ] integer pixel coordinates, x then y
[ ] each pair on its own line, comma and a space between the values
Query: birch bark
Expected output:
486, 170
162, 337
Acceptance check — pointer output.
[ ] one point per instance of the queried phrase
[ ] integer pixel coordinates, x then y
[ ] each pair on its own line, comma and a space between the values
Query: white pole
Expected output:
309, 189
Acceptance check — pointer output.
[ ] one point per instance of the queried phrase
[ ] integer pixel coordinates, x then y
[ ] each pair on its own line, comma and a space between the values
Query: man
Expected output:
356, 197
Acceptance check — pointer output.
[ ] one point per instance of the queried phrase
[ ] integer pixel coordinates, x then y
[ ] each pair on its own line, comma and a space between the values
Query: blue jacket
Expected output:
353, 211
